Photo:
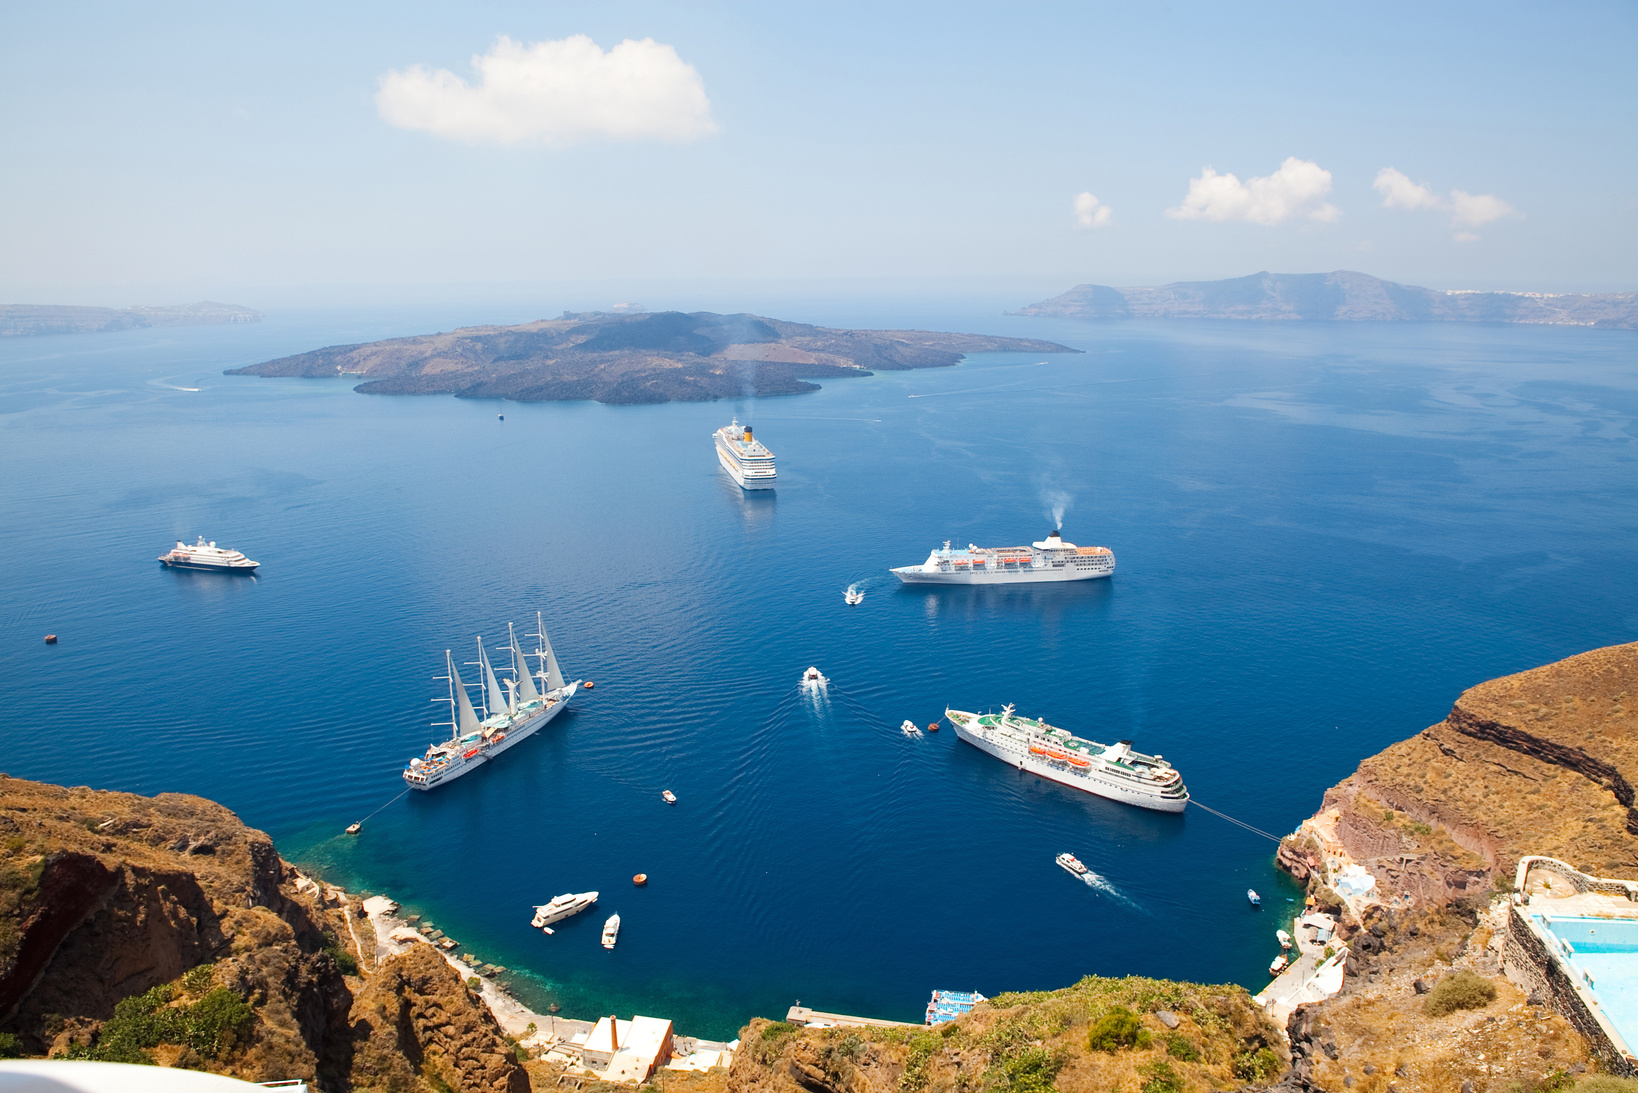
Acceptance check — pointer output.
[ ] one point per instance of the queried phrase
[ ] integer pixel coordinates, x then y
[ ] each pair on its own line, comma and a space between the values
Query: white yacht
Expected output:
611, 931
668, 797
203, 555
814, 680
1113, 770
853, 596
745, 457
910, 728
1049, 559
1072, 863
511, 711
560, 908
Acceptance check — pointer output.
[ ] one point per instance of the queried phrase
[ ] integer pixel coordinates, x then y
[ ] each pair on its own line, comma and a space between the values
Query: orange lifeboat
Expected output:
1036, 749
1079, 761
640, 880
471, 753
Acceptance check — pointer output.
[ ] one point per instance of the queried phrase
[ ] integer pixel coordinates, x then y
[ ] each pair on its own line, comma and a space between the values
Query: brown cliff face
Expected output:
1542, 762
106, 896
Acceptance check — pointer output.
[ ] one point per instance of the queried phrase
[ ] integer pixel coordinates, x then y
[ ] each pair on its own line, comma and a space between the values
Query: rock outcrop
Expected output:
162, 929
1541, 762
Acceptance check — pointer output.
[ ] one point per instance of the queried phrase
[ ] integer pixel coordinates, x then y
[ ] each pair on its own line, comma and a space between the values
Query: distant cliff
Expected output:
1342, 296
635, 358
17, 320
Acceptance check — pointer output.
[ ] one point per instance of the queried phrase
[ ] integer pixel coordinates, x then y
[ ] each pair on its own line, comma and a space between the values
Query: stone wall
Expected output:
1529, 962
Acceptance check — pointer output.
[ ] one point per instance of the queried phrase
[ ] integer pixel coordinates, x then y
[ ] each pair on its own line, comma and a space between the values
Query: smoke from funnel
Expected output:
1059, 502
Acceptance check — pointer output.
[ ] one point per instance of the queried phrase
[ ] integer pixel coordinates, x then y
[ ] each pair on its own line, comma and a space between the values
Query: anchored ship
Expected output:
1050, 559
1113, 770
561, 907
745, 457
203, 555
511, 711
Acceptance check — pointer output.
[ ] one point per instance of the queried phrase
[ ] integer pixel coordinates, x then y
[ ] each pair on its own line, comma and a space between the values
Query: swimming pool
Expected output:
1606, 952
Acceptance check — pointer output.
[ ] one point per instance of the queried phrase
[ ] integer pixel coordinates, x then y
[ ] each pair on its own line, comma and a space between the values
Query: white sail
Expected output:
526, 684
554, 675
497, 697
466, 718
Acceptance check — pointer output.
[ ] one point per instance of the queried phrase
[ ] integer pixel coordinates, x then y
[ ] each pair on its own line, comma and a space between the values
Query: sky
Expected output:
154, 153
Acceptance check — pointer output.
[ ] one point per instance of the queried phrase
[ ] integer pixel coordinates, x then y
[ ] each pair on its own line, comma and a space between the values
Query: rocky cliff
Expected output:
162, 929
635, 358
1342, 296
1542, 762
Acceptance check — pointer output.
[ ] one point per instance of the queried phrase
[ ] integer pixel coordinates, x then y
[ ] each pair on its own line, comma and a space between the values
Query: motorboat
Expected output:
1072, 863
853, 596
561, 907
813, 679
611, 931
910, 728
668, 797
1285, 938
1256, 900
1281, 962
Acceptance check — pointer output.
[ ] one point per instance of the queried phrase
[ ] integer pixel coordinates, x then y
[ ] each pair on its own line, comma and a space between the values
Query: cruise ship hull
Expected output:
205, 567
915, 574
1017, 754
758, 482
515, 734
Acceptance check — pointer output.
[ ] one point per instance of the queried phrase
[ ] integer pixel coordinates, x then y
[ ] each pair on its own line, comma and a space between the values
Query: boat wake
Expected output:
1100, 883
170, 386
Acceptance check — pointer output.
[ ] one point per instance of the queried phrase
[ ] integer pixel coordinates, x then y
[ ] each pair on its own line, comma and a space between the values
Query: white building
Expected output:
628, 1051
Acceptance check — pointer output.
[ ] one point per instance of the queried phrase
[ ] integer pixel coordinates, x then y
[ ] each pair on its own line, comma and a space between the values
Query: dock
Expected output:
802, 1015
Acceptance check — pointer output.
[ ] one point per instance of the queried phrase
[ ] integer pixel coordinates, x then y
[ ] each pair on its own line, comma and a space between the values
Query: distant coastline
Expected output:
27, 320
635, 358
1343, 296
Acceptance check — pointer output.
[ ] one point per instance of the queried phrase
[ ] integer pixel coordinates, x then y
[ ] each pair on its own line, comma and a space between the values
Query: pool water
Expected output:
1607, 950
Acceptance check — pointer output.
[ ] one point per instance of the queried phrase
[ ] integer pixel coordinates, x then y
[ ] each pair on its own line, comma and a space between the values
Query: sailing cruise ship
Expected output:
511, 711
1114, 771
1049, 559
745, 457
203, 555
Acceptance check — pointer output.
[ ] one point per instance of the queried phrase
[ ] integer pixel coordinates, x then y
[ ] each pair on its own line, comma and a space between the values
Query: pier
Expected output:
802, 1015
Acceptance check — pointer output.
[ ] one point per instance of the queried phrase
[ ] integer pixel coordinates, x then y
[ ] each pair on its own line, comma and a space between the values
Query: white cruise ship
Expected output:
1114, 771
745, 457
510, 712
1050, 559
203, 555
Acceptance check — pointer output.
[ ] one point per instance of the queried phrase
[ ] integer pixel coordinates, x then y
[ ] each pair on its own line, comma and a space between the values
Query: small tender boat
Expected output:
1279, 965
640, 880
1072, 863
611, 931
668, 797
561, 907
353, 829
853, 596
1256, 900
1285, 938
813, 679
910, 728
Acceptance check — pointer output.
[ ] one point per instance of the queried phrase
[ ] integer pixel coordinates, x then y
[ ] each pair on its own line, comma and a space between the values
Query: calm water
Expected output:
1324, 533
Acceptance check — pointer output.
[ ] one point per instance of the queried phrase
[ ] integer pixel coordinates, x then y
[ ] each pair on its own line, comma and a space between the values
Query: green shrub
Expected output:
198, 979
1029, 1071
1460, 990
10, 1046
218, 1022
211, 1027
473, 983
1256, 1064
1117, 1029
1179, 1046
1161, 1078
1606, 1083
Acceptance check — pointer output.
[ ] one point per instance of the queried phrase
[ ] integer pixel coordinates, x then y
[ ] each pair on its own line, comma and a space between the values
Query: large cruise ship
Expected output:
203, 555
1050, 559
1113, 770
510, 712
745, 457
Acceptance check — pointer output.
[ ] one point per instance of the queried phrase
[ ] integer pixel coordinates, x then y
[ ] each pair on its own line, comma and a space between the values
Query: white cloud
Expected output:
1399, 192
1466, 210
1090, 212
554, 93
1298, 188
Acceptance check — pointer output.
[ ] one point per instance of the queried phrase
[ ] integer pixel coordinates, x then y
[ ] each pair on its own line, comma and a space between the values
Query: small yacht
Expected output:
1256, 900
1072, 863
1285, 938
611, 931
853, 596
813, 679
668, 797
910, 728
561, 907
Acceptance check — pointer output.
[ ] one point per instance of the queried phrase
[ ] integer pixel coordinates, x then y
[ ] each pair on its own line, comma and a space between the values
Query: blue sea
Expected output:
1325, 532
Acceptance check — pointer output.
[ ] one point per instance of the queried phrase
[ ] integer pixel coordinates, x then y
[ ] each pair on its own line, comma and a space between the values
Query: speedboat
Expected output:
1285, 938
1072, 863
910, 728
813, 679
668, 797
1256, 900
611, 930
1279, 965
561, 907
853, 596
